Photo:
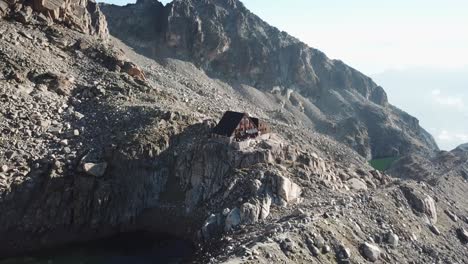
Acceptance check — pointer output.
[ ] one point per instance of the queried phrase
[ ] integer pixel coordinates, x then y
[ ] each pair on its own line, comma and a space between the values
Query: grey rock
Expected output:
211, 227
462, 234
421, 202
452, 216
233, 219
95, 169
392, 239
357, 184
265, 205
434, 229
326, 249
249, 213
370, 252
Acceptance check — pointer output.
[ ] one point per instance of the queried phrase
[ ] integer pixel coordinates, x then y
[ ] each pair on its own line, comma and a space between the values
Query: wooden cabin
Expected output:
262, 126
235, 127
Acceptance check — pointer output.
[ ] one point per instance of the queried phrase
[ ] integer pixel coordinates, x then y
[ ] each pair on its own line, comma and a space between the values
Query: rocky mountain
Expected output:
463, 147
228, 42
97, 140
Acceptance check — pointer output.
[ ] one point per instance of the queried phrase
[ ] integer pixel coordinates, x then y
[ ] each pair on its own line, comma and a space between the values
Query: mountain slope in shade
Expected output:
230, 43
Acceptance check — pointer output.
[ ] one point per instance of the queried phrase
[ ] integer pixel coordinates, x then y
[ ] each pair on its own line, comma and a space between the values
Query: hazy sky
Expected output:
389, 40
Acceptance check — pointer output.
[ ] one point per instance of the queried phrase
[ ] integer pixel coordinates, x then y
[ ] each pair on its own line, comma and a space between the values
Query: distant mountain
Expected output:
463, 147
230, 43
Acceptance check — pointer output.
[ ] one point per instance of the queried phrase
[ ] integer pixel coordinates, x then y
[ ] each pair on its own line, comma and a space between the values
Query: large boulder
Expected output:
357, 184
249, 213
233, 219
370, 252
420, 202
95, 169
287, 189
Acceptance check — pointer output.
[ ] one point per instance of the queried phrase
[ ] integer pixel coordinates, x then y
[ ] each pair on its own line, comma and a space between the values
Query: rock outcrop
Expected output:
421, 202
83, 16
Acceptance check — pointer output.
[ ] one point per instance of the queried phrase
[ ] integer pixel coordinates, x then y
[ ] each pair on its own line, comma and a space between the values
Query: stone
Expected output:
133, 70
314, 250
326, 249
4, 7
392, 239
23, 17
319, 242
452, 216
420, 202
233, 219
4, 168
370, 252
357, 184
211, 226
78, 115
95, 169
265, 205
343, 253
462, 234
226, 211
76, 132
287, 189
434, 229
249, 213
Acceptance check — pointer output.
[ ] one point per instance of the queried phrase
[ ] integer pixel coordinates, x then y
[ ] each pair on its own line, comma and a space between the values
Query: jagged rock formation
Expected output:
227, 41
84, 16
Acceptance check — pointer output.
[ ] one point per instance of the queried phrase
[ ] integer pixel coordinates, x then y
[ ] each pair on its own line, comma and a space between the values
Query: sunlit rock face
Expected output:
82, 15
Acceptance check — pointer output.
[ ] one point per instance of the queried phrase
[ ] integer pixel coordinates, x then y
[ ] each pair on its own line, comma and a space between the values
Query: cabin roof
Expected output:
228, 123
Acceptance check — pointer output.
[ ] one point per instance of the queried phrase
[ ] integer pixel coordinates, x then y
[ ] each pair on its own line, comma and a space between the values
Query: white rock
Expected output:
357, 184
4, 168
288, 190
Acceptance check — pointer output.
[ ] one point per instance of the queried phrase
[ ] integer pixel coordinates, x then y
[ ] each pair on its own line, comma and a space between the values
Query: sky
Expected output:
389, 40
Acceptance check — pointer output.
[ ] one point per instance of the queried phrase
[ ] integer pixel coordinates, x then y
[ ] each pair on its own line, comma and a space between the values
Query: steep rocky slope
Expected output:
97, 140
232, 44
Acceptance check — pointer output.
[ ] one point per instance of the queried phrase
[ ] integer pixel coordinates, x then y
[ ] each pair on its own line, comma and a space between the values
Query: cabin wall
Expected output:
244, 125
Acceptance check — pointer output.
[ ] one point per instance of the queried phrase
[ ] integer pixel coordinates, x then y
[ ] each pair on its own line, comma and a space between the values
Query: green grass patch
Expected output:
382, 164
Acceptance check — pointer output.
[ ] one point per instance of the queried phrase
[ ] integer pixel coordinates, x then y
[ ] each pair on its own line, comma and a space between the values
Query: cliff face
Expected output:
229, 42
81, 15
